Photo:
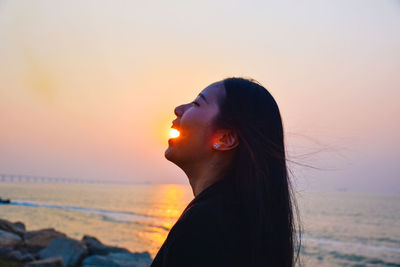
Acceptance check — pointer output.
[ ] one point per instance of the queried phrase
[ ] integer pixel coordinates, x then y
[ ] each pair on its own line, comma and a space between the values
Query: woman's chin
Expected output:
168, 153
172, 155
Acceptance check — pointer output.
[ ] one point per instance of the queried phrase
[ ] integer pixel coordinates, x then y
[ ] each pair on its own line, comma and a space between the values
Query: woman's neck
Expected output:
203, 175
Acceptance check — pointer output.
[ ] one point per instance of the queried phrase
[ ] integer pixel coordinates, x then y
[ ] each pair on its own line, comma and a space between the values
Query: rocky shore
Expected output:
50, 248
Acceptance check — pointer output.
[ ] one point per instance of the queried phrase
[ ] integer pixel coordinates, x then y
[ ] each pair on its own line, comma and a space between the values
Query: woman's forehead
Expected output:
214, 91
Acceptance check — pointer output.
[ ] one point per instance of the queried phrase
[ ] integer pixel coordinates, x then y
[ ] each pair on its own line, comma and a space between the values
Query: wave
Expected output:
363, 260
350, 244
107, 215
349, 253
387, 240
119, 216
147, 224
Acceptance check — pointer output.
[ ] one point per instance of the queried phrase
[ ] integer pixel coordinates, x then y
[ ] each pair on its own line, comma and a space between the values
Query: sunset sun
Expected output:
174, 133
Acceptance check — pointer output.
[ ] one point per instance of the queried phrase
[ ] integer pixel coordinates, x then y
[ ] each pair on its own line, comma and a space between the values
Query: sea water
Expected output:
339, 228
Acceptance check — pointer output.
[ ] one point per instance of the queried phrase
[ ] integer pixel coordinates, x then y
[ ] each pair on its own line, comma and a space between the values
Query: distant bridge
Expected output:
22, 178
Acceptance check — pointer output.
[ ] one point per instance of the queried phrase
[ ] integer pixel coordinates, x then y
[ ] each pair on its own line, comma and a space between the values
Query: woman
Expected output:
231, 147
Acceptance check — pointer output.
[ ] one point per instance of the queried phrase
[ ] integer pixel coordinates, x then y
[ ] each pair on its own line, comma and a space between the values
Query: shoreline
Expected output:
49, 247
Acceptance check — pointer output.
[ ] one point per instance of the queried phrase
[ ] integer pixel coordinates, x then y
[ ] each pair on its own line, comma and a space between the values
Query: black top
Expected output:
208, 233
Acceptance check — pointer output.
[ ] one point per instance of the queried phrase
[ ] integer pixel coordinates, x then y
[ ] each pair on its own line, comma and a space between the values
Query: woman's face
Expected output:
194, 122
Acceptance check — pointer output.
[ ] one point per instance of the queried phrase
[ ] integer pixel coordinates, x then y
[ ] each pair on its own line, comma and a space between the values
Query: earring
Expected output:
216, 145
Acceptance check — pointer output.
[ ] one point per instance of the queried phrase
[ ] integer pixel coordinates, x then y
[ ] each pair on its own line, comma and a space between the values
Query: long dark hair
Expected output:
260, 173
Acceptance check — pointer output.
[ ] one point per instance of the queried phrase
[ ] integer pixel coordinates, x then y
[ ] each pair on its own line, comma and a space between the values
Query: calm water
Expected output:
341, 228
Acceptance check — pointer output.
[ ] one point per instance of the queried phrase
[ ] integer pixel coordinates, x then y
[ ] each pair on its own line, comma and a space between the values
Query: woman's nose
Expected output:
179, 110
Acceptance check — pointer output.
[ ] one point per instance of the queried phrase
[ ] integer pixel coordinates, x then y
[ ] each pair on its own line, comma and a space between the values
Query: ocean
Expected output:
339, 228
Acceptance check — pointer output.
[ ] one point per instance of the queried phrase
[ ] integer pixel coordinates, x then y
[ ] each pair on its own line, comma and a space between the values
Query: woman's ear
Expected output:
225, 140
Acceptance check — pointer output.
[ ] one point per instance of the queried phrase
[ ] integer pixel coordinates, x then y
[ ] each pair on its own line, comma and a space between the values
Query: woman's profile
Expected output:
231, 147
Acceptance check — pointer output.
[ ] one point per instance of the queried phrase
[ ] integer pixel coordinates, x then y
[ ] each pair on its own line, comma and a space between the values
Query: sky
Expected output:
88, 88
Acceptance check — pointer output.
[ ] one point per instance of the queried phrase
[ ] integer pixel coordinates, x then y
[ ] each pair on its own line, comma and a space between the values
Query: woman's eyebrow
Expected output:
204, 98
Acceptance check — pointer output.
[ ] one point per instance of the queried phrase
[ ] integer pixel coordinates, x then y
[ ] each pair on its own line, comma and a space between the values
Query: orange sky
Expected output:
88, 88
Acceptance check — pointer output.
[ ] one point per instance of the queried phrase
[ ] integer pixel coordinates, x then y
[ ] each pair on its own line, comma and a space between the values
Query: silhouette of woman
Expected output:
231, 147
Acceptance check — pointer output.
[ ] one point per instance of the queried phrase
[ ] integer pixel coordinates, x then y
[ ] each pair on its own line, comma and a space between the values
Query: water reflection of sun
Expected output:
171, 200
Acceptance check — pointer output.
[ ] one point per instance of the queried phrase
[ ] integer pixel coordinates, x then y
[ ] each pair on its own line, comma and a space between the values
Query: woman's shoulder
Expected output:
215, 203
214, 216
207, 233
203, 213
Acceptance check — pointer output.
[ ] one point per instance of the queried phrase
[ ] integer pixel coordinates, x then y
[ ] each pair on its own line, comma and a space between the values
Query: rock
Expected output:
95, 247
119, 260
50, 262
15, 255
20, 225
98, 260
41, 238
21, 254
70, 250
139, 259
5, 201
8, 239
4, 251
28, 257
10, 227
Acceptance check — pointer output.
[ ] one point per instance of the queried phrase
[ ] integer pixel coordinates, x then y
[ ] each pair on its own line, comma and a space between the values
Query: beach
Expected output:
340, 228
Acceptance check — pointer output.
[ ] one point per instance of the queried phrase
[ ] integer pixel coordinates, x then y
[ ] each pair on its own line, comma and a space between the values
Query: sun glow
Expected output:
174, 133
